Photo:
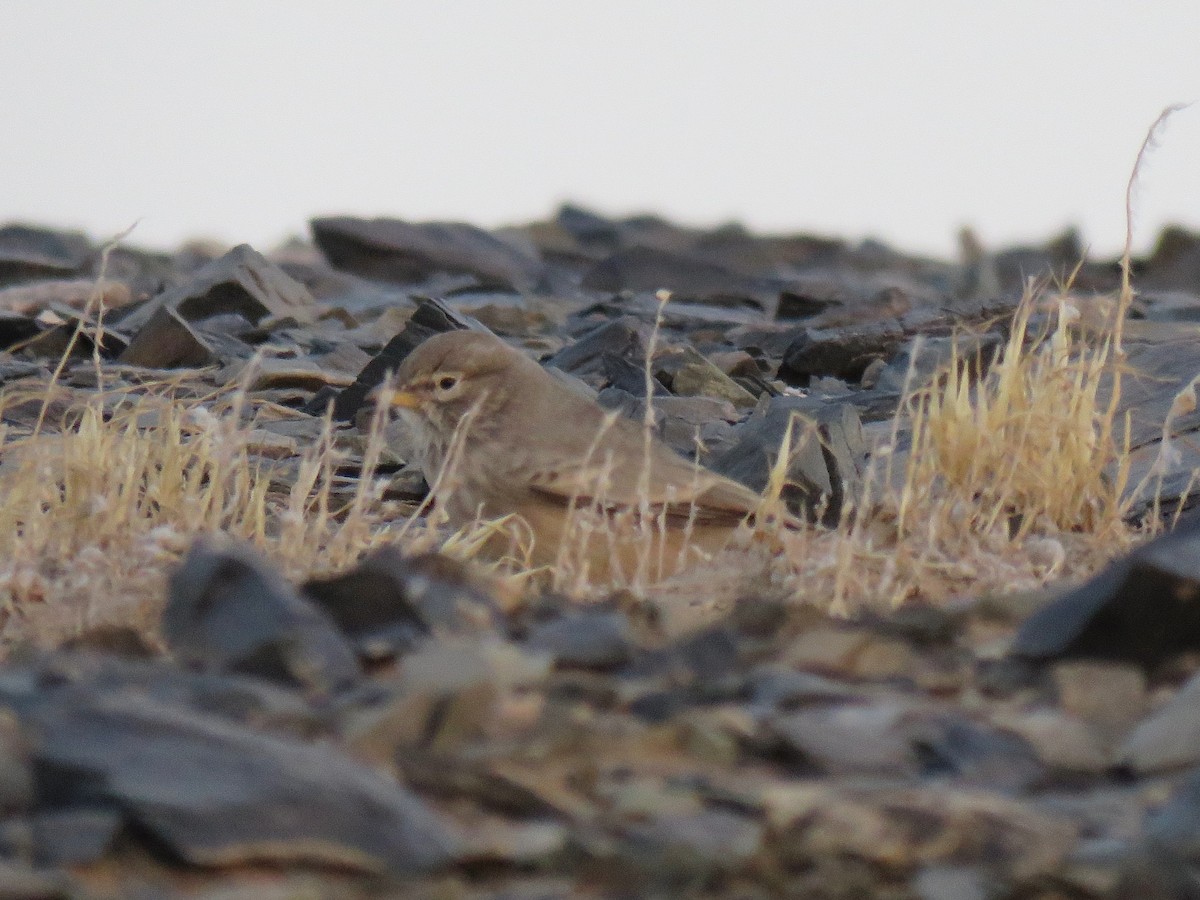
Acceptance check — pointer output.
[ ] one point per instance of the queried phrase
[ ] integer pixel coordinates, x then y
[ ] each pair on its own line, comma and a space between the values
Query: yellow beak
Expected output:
394, 398
404, 399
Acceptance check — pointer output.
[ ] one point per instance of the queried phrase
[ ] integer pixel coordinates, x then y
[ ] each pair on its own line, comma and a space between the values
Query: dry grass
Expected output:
1008, 478
97, 506
989, 482
1004, 486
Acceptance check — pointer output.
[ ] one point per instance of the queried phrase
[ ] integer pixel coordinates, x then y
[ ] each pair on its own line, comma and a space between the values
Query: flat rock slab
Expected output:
242, 281
218, 794
227, 611
1143, 608
28, 252
408, 253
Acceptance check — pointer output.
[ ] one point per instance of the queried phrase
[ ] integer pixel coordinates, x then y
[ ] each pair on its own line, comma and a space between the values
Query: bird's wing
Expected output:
601, 461
675, 488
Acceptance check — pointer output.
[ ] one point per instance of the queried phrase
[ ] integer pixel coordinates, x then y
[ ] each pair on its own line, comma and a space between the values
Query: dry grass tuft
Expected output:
996, 477
1009, 477
98, 505
1029, 446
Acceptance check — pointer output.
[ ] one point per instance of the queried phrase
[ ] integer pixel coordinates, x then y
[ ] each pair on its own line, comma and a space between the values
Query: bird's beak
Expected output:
393, 398
404, 400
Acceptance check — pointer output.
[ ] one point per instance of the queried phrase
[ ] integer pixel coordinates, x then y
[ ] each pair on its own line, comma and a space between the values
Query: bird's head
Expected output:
449, 376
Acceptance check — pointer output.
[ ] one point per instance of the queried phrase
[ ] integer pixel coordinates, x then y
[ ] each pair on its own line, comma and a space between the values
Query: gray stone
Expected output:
430, 318
1143, 609
16, 772
828, 454
166, 341
408, 253
220, 794
589, 355
75, 836
695, 845
590, 640
228, 612
242, 281
20, 882
1110, 697
389, 602
689, 374
918, 361
1168, 739
687, 278
27, 252
851, 738
842, 353
953, 883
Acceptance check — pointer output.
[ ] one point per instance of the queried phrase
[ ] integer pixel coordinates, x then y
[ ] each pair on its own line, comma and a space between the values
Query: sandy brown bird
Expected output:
497, 436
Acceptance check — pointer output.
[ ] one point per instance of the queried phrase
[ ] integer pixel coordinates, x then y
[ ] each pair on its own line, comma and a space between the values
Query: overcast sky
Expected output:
899, 120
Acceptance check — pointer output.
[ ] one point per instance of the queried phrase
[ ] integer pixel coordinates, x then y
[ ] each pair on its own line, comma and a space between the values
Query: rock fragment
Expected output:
219, 794
228, 612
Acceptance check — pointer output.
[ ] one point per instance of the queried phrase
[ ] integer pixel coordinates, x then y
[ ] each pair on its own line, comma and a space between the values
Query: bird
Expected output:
501, 440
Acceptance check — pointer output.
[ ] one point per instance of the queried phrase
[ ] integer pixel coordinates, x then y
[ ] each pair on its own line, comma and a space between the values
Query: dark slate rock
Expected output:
407, 253
1167, 306
920, 625
826, 467
677, 315
217, 794
671, 851
166, 341
54, 343
1154, 374
840, 352
969, 753
20, 882
1144, 609
1169, 738
798, 303
446, 595
449, 775
874, 406
621, 338
237, 698
75, 836
630, 377
1174, 828
243, 282
588, 228
1054, 259
688, 278
431, 317
16, 328
894, 737
710, 655
1174, 263
389, 602
921, 358
679, 421
227, 611
849, 739
16, 772
689, 373
28, 252
786, 688
767, 341
732, 245
586, 640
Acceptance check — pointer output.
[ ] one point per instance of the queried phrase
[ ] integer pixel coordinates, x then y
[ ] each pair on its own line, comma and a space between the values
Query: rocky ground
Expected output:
414, 726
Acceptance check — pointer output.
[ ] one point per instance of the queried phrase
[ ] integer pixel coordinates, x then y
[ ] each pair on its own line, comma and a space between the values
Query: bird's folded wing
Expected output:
675, 490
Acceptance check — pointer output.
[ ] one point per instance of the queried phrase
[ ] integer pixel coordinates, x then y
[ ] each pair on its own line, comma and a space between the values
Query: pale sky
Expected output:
898, 120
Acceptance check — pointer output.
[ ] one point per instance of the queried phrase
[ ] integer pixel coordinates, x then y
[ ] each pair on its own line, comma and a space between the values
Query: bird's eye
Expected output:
447, 383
